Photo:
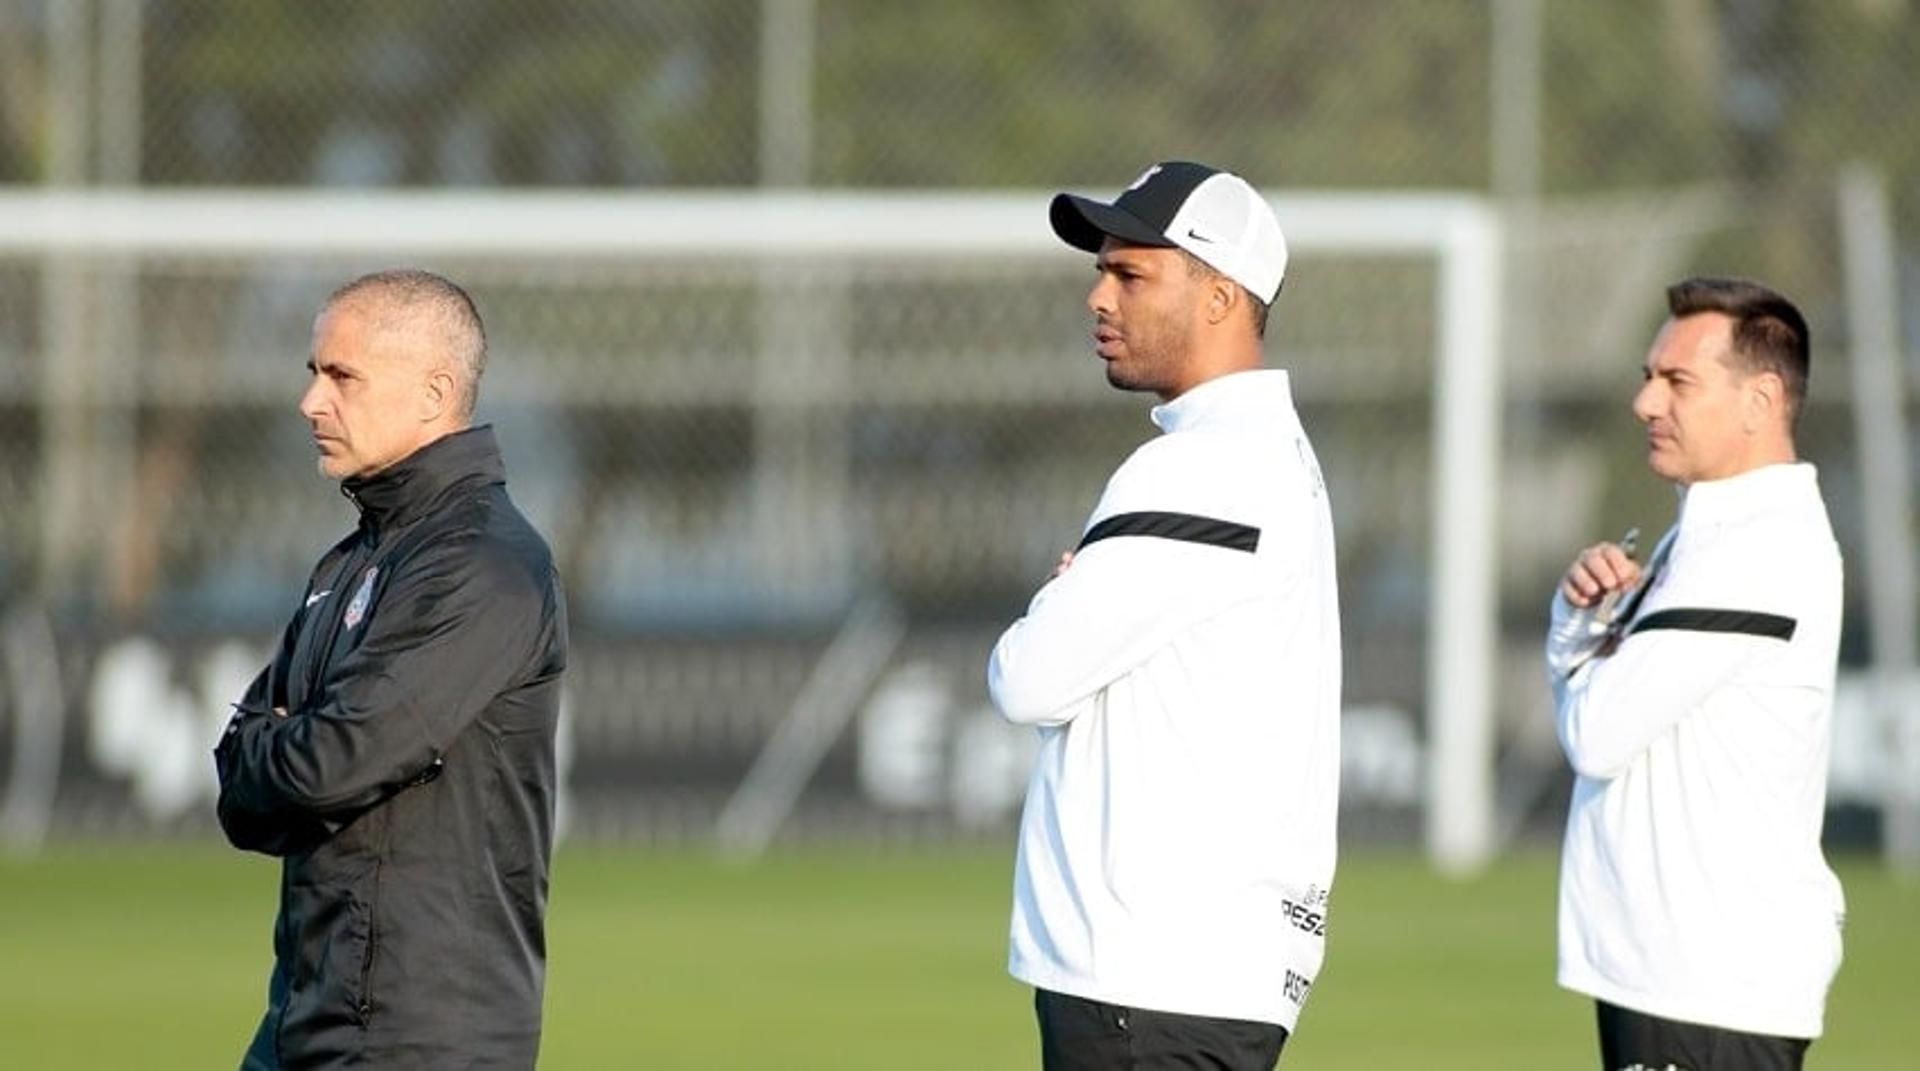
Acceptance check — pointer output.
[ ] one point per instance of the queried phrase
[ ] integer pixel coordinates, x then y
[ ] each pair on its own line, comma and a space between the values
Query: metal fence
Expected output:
718, 503
731, 453
1519, 97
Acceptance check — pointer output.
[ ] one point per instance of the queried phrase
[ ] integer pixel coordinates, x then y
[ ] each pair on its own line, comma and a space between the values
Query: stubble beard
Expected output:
1147, 367
1119, 379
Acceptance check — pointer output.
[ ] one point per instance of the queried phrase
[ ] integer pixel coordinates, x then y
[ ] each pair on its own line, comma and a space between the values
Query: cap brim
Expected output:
1085, 224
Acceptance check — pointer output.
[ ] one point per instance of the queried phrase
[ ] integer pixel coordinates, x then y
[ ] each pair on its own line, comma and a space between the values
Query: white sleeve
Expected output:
1127, 596
1573, 633
1705, 625
1121, 600
1612, 708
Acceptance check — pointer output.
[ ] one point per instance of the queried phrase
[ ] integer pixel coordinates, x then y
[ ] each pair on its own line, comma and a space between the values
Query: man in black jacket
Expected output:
398, 752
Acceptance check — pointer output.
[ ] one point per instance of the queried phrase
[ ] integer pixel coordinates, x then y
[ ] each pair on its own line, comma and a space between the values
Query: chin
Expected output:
1668, 469
1121, 380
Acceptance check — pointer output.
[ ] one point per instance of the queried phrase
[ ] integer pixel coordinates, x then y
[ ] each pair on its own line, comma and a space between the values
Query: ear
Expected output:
439, 395
1223, 296
1766, 400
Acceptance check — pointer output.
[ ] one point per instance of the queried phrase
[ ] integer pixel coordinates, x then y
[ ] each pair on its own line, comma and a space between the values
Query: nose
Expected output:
312, 402
1100, 298
1646, 401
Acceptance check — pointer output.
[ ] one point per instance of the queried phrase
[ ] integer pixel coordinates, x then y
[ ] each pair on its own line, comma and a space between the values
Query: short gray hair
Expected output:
400, 296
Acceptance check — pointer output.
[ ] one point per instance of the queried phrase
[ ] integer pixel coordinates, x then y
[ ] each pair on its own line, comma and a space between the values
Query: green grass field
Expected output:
156, 957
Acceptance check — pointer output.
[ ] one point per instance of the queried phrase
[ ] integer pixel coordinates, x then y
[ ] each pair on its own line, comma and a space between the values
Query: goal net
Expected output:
800, 458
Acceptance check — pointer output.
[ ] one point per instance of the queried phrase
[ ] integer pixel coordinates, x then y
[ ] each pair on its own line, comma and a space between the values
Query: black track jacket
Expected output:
410, 785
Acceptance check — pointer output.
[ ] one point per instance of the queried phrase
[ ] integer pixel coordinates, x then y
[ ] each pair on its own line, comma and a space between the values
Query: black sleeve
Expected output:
455, 626
272, 832
282, 832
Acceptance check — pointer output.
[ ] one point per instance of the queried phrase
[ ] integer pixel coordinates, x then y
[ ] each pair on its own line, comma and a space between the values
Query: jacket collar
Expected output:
409, 487
1254, 394
1714, 502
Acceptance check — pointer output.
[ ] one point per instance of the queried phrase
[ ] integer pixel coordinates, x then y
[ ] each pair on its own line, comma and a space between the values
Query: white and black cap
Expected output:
1210, 213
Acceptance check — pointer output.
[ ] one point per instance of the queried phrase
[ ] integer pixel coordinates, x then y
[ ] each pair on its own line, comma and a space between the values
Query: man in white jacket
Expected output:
1182, 666
1694, 701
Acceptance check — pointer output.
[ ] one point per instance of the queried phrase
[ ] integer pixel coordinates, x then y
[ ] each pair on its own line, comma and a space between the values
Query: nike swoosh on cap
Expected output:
318, 595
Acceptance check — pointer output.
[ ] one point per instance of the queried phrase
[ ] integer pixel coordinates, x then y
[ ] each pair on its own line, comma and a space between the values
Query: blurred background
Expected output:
800, 475
734, 448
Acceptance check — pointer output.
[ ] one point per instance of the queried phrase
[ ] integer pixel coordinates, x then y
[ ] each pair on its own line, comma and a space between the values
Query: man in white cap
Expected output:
1182, 666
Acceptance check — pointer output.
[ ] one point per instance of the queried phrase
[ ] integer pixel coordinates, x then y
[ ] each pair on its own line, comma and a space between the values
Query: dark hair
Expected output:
1769, 334
1200, 269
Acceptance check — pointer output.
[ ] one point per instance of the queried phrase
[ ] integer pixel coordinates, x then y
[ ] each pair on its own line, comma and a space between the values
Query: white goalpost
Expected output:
1461, 235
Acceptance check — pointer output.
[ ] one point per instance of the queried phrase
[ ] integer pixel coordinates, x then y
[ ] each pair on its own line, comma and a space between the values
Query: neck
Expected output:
1771, 450
1761, 455
1211, 364
439, 430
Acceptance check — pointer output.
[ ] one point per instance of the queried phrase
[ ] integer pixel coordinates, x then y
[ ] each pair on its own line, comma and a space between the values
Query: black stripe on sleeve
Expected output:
1747, 622
1186, 527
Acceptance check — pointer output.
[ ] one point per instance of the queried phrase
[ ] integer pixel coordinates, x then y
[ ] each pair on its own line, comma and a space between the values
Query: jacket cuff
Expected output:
1572, 635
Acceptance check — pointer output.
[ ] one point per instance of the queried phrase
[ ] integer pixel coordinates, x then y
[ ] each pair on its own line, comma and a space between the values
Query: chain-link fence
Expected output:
728, 456
872, 93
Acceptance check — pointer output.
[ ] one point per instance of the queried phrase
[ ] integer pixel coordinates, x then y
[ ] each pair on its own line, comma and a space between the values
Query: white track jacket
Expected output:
1177, 845
1692, 886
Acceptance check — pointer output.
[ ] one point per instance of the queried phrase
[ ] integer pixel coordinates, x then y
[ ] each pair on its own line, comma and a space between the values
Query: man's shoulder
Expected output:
1207, 455
481, 537
1202, 478
1181, 472
1782, 559
1222, 464
1786, 535
1162, 456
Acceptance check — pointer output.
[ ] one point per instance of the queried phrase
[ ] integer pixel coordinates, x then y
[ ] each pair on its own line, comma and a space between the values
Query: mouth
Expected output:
1107, 342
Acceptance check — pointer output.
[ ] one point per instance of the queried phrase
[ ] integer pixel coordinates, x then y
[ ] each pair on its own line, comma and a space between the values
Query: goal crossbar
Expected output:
1461, 232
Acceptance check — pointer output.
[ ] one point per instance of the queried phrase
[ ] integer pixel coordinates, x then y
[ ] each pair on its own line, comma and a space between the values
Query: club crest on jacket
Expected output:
357, 609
